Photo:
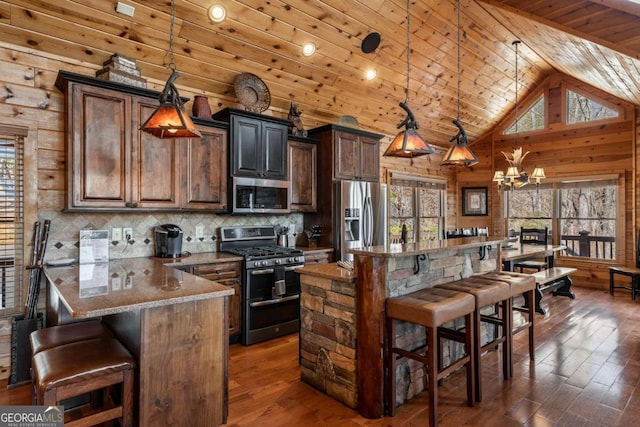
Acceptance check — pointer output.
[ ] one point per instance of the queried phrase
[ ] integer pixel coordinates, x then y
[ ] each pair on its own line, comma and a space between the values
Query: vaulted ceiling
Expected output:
596, 41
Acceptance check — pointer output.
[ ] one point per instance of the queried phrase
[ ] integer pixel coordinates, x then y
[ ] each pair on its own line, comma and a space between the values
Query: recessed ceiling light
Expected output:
309, 49
217, 13
371, 74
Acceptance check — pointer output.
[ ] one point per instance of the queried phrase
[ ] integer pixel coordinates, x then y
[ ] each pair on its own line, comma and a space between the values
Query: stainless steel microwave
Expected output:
254, 195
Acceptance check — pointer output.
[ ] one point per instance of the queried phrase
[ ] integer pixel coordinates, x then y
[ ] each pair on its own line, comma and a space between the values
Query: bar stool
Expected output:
431, 308
43, 339
487, 293
525, 285
77, 368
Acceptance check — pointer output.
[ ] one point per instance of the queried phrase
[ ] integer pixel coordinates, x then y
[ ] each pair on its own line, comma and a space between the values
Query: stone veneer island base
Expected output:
342, 314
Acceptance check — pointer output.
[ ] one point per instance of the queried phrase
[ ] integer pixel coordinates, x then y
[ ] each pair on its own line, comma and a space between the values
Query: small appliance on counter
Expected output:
168, 240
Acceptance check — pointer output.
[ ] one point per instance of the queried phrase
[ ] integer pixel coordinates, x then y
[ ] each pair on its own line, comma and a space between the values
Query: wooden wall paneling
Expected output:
50, 159
51, 179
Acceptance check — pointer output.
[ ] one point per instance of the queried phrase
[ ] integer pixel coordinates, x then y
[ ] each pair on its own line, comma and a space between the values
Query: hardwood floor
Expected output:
586, 373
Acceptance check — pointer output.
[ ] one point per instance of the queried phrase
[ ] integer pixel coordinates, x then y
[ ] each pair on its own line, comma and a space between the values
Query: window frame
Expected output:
620, 223
417, 211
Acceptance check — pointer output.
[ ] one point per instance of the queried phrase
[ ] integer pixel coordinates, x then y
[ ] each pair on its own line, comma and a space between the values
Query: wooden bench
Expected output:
555, 280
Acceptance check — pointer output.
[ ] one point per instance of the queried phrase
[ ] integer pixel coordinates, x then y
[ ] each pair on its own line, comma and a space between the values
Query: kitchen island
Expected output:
343, 313
174, 323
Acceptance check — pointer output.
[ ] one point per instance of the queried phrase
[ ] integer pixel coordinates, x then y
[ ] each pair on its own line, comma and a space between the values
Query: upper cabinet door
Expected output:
98, 148
369, 159
247, 146
156, 163
274, 139
206, 170
303, 176
259, 148
347, 151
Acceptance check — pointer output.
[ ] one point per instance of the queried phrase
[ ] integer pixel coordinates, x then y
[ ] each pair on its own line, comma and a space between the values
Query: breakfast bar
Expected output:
174, 323
343, 313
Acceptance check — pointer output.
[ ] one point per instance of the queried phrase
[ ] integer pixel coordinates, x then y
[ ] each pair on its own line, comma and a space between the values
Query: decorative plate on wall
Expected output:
252, 92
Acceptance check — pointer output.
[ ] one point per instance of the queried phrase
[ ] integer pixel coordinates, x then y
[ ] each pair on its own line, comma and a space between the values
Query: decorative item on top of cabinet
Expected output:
201, 107
258, 144
228, 274
294, 115
303, 174
114, 166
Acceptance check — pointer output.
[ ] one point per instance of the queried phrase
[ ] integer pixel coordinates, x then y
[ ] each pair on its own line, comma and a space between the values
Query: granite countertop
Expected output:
200, 258
396, 250
93, 290
328, 271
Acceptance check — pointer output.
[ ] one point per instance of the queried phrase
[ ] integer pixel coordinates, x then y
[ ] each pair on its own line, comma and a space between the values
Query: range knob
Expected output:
278, 261
291, 259
258, 263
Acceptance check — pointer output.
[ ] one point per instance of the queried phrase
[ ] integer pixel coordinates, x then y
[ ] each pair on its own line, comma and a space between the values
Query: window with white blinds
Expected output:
11, 219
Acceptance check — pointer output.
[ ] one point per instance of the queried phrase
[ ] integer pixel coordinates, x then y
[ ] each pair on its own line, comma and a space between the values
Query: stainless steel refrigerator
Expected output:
361, 215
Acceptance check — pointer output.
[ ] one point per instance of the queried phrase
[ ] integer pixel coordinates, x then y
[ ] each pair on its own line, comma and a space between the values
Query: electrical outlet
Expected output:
116, 283
116, 234
128, 234
199, 232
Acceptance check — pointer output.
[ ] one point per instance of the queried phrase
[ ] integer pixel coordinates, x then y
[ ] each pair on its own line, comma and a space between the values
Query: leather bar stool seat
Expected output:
525, 285
487, 293
73, 369
431, 308
54, 336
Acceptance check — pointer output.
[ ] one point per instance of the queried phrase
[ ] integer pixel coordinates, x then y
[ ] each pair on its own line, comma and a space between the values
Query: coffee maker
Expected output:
168, 241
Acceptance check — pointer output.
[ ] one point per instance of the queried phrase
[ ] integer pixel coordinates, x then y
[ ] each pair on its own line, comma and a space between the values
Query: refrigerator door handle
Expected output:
367, 222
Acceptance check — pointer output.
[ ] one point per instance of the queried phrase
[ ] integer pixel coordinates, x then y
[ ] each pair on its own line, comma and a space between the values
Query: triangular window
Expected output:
532, 119
581, 109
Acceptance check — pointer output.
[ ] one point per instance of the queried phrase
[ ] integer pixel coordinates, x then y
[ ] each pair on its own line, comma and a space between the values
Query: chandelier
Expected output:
516, 176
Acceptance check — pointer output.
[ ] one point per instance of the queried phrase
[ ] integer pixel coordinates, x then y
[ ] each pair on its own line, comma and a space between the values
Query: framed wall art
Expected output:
474, 201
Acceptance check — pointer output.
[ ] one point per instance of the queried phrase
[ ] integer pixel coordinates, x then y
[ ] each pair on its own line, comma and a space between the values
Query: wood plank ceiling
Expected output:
596, 41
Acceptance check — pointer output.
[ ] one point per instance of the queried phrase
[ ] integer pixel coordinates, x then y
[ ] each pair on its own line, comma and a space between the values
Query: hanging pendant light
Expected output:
170, 120
408, 143
459, 154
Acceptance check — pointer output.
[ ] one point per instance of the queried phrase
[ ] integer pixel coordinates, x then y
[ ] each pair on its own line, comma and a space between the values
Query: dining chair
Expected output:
533, 236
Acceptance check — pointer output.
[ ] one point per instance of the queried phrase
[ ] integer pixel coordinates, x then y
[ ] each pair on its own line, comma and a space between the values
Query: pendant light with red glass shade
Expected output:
408, 143
170, 120
459, 154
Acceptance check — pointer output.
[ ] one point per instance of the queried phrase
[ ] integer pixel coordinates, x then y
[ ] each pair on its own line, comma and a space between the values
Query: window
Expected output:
586, 216
417, 203
11, 220
530, 120
530, 208
581, 109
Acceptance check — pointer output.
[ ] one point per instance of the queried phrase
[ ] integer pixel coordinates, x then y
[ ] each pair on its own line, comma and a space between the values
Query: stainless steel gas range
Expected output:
270, 284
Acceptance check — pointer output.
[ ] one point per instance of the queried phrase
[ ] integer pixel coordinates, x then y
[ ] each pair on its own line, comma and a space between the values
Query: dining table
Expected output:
511, 253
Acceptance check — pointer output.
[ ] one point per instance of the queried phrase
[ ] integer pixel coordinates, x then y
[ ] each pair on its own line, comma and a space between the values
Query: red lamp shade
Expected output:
170, 120
408, 143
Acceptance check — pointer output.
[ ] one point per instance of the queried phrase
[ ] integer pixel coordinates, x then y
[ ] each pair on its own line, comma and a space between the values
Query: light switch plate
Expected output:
116, 234
199, 231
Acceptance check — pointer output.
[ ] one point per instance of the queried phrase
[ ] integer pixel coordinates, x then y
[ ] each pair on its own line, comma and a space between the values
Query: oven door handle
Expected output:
274, 301
261, 272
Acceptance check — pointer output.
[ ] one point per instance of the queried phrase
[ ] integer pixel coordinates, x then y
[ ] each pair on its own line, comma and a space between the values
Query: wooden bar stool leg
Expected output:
506, 332
477, 350
471, 372
611, 282
127, 399
532, 315
432, 336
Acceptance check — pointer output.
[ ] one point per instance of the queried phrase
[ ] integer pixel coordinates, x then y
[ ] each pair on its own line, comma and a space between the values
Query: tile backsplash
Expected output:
64, 232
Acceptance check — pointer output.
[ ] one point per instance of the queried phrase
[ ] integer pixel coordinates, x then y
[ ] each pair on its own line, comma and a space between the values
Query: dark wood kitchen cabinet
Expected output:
228, 274
352, 154
258, 144
115, 166
303, 174
206, 169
